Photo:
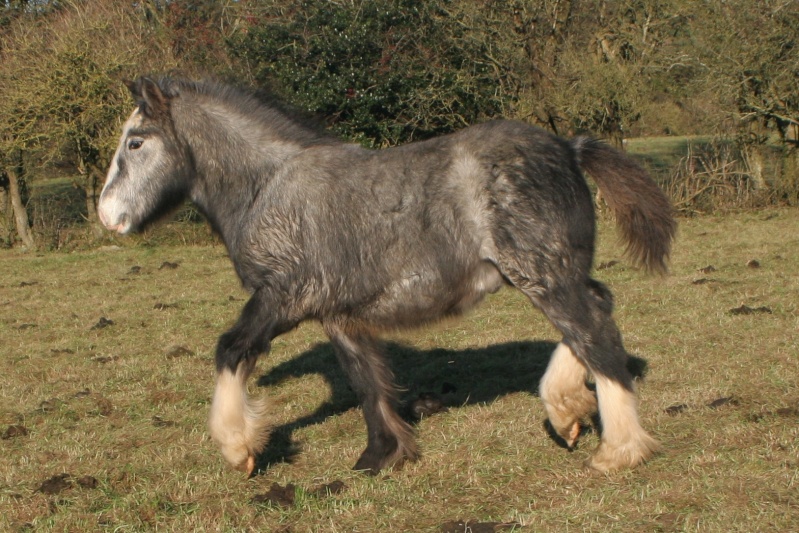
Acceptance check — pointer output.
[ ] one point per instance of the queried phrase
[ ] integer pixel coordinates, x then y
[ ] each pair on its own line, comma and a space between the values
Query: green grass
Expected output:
119, 405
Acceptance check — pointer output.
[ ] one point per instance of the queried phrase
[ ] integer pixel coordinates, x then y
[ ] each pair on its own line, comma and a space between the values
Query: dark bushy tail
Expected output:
643, 212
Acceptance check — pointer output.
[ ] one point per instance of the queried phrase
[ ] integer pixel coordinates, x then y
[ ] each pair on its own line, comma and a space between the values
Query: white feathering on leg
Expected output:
624, 442
237, 422
565, 396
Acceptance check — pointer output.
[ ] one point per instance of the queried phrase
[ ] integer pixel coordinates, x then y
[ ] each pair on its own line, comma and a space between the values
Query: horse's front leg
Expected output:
390, 440
237, 422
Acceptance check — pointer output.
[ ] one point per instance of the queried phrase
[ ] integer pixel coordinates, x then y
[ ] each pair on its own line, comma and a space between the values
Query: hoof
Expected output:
367, 467
371, 466
373, 461
608, 458
566, 397
237, 422
566, 413
239, 455
248, 466
574, 434
235, 456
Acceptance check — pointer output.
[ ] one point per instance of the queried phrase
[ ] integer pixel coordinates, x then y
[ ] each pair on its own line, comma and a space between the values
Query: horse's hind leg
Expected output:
390, 440
588, 325
565, 395
581, 308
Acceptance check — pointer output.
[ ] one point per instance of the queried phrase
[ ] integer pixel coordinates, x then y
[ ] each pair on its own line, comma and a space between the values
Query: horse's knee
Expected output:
237, 422
235, 351
599, 345
257, 325
601, 294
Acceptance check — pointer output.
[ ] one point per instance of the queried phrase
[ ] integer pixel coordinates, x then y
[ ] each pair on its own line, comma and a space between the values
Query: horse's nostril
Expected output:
111, 218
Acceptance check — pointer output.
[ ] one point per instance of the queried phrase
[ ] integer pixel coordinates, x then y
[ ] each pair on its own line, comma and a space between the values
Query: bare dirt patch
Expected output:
14, 431
746, 310
102, 323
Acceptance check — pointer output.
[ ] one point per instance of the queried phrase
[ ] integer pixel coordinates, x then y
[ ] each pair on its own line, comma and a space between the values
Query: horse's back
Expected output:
410, 233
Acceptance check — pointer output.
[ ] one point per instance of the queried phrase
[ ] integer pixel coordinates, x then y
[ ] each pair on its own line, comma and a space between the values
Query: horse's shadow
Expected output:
455, 377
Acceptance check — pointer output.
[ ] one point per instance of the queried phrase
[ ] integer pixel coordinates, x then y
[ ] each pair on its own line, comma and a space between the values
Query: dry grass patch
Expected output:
125, 403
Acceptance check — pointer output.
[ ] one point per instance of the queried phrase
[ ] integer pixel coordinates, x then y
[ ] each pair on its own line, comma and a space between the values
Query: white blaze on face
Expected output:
111, 208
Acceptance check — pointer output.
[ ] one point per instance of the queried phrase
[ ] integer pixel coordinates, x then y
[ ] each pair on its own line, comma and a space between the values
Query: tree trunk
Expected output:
753, 155
790, 173
90, 188
91, 185
6, 223
20, 214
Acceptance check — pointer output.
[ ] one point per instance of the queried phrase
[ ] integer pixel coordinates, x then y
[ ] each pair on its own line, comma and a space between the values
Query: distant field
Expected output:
663, 156
106, 375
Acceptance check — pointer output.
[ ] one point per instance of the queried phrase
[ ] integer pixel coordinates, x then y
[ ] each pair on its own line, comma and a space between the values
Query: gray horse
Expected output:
368, 240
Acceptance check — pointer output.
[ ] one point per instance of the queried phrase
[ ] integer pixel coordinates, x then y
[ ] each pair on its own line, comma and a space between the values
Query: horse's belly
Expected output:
421, 297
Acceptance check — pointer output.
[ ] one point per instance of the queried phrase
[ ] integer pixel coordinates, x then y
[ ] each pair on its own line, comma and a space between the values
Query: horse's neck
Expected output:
236, 154
234, 159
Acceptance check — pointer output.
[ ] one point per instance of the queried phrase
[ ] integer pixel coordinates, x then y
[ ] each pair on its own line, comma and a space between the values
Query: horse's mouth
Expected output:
122, 227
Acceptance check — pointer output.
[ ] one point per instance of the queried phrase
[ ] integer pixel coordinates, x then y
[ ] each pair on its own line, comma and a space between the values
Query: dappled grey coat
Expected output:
365, 240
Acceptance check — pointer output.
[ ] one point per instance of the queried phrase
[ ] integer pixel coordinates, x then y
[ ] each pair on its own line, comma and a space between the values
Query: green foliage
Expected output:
382, 72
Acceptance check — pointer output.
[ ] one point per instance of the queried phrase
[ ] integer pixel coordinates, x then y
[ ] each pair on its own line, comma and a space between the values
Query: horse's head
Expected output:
151, 167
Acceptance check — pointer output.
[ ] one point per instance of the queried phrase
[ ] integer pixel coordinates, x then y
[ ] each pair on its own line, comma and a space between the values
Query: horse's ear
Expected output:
156, 103
151, 98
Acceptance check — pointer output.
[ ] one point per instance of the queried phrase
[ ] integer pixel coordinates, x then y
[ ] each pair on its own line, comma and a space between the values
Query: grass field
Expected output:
106, 374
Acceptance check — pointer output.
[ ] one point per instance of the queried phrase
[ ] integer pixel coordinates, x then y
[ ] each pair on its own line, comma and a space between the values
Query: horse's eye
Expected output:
135, 144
